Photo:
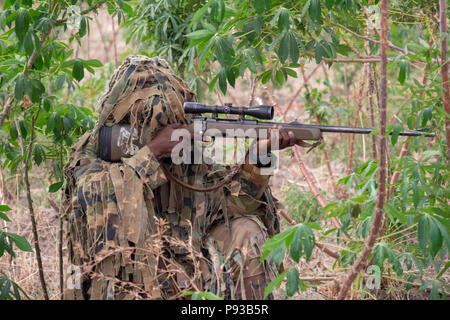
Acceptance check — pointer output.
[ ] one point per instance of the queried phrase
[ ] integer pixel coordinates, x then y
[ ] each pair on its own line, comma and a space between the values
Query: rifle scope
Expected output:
260, 112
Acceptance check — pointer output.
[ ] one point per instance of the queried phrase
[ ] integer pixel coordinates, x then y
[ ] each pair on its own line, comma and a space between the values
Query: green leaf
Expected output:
395, 133
22, 23
296, 246
435, 237
56, 186
19, 88
319, 53
404, 71
206, 295
4, 217
447, 265
200, 34
4, 208
28, 44
422, 233
251, 63
20, 242
38, 154
93, 63
279, 77
283, 50
200, 13
82, 29
283, 19
293, 48
223, 81
78, 70
275, 283
259, 6
292, 281
315, 10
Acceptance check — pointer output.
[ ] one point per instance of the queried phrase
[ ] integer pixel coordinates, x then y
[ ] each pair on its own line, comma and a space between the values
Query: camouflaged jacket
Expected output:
113, 205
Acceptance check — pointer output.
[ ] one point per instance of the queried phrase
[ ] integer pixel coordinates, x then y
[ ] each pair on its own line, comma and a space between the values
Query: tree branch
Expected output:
30, 203
381, 180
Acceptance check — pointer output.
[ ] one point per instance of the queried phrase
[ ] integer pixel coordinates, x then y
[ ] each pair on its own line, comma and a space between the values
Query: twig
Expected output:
381, 181
30, 202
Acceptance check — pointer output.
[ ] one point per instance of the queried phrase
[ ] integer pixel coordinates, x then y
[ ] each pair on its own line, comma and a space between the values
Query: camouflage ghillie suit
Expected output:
112, 208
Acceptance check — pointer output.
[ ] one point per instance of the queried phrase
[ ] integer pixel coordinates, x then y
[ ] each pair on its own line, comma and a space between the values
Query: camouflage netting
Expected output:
212, 241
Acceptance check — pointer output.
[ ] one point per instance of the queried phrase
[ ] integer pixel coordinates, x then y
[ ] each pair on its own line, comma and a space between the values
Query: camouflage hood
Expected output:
143, 91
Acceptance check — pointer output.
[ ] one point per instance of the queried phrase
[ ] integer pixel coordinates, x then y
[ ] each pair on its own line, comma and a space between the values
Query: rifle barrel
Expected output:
343, 129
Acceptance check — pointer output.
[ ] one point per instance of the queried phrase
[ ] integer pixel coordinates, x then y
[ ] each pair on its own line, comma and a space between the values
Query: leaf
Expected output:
395, 133
78, 70
4, 217
38, 153
20, 242
296, 246
422, 234
200, 13
223, 81
293, 48
22, 23
319, 53
82, 29
250, 63
277, 255
435, 237
283, 50
200, 34
4, 208
447, 265
315, 10
56, 186
279, 77
28, 44
283, 19
404, 69
259, 6
292, 281
274, 283
93, 63
19, 88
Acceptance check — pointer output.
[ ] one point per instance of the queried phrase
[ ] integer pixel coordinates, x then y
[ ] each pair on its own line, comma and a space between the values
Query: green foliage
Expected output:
299, 240
10, 290
302, 205
201, 295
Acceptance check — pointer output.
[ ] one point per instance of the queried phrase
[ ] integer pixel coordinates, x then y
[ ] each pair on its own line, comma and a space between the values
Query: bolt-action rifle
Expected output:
114, 141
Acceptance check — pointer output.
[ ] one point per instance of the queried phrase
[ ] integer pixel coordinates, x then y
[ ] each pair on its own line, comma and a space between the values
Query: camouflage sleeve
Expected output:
147, 167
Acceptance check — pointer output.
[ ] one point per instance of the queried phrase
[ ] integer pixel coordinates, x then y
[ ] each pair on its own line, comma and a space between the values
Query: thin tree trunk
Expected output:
381, 181
37, 247
444, 69
371, 108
